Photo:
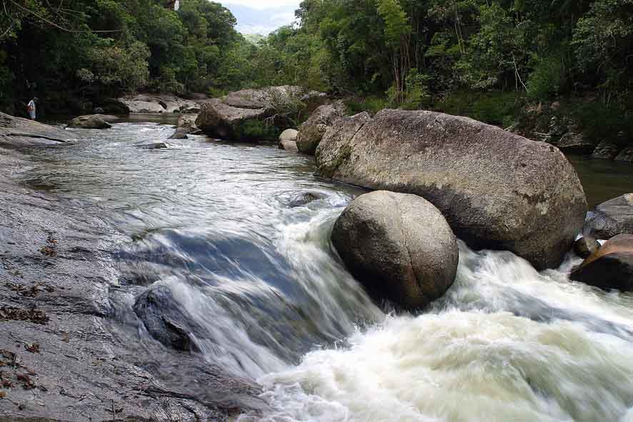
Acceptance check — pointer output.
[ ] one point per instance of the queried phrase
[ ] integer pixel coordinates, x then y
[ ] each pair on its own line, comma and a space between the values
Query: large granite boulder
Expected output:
399, 246
625, 155
93, 121
610, 267
16, 131
255, 114
312, 130
497, 190
611, 218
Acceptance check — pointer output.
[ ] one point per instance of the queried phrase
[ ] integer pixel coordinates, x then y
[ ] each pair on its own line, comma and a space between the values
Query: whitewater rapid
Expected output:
253, 274
505, 343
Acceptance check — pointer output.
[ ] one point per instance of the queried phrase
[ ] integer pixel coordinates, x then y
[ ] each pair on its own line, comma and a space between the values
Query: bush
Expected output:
546, 79
372, 104
496, 108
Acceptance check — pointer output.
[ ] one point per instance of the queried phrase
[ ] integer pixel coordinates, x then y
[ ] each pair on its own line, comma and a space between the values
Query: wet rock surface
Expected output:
399, 246
611, 218
497, 190
610, 267
16, 132
312, 130
585, 246
64, 350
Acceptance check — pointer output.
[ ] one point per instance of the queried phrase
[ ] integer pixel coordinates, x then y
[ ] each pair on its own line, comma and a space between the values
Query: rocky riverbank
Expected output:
64, 353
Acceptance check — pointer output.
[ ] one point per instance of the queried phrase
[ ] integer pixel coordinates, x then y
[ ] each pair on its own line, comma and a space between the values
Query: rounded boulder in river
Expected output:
399, 246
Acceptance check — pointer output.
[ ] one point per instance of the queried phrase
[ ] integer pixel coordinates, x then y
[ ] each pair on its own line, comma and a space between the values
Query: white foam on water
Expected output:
505, 343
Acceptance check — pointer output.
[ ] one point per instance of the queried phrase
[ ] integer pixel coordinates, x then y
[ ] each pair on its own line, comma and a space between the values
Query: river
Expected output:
228, 230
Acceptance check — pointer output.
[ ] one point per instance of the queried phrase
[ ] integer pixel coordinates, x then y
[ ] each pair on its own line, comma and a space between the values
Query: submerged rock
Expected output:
497, 190
610, 267
611, 218
606, 151
399, 246
180, 133
305, 198
17, 131
312, 130
93, 121
625, 155
164, 320
155, 145
585, 246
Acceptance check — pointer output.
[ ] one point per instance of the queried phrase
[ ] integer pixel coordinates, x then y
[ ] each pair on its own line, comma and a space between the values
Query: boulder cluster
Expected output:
437, 176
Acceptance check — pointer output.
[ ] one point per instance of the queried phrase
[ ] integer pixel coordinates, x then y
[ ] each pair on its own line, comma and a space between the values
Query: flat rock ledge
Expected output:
64, 355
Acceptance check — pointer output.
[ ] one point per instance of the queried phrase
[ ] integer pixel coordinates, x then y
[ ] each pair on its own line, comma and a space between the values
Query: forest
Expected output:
495, 60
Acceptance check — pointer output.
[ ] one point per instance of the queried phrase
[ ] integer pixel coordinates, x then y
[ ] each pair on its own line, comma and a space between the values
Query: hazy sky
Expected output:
262, 16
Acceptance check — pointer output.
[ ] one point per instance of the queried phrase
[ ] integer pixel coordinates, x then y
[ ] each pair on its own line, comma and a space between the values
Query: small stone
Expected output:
585, 246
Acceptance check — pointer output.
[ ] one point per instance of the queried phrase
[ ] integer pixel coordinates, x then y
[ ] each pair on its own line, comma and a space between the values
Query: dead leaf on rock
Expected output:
11, 313
33, 348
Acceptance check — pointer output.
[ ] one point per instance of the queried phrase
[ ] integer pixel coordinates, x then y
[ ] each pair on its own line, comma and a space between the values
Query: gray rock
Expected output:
399, 246
610, 267
625, 155
155, 145
288, 135
575, 143
312, 130
180, 133
290, 146
275, 97
114, 106
305, 198
585, 246
497, 190
16, 131
223, 121
611, 218
164, 320
606, 151
92, 364
273, 108
188, 122
161, 103
93, 121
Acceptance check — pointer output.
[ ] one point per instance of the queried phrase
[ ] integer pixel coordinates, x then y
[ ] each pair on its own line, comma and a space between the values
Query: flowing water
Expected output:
230, 231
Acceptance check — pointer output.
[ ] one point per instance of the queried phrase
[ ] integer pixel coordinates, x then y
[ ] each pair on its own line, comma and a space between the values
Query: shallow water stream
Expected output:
227, 229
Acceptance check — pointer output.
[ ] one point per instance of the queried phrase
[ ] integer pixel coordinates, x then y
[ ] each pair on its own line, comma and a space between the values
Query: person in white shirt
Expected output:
31, 108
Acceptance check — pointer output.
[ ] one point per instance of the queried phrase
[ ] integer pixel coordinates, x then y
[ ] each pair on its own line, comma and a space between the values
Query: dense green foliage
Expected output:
72, 52
487, 59
491, 59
